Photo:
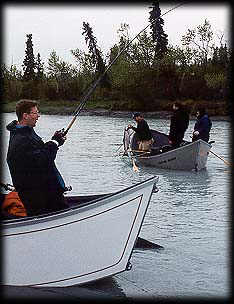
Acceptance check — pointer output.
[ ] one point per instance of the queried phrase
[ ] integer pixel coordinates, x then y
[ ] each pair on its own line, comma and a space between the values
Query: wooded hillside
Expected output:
148, 76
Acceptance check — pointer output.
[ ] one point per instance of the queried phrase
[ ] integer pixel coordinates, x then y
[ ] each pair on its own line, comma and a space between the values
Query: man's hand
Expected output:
59, 137
196, 133
129, 127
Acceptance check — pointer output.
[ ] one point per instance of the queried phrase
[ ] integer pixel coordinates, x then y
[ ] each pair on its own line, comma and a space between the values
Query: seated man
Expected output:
145, 139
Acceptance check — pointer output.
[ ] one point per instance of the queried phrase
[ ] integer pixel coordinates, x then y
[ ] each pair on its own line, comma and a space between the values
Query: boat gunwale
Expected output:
197, 142
51, 216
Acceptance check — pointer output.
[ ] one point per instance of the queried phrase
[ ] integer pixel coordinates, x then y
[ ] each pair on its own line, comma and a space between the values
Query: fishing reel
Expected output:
68, 188
7, 187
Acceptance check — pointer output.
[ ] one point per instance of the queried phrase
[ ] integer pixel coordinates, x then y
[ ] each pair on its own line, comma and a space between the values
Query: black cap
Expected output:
136, 115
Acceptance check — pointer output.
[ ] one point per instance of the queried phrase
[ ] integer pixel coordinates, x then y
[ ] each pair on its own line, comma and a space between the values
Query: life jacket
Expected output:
13, 205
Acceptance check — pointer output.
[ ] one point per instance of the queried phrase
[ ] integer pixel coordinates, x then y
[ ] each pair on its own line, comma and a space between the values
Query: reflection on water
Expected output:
189, 216
108, 285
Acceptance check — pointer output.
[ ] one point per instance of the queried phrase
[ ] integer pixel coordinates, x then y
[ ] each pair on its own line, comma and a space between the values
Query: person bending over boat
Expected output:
31, 162
145, 139
178, 125
202, 126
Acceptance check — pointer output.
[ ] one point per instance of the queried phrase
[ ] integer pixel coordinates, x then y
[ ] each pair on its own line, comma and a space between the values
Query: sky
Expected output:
59, 27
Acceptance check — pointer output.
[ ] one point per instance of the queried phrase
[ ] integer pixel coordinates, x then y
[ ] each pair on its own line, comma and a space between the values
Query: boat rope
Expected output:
94, 85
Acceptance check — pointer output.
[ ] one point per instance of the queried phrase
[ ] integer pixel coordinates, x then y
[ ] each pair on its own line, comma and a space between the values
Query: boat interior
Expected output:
72, 202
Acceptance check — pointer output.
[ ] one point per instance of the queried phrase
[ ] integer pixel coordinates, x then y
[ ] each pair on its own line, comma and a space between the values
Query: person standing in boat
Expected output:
202, 126
145, 139
178, 125
31, 162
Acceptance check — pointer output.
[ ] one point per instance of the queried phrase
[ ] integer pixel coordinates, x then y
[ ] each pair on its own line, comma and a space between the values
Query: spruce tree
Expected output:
29, 61
158, 35
96, 54
39, 67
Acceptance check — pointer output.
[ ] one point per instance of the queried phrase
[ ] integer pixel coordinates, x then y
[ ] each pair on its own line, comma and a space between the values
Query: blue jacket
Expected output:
31, 161
203, 126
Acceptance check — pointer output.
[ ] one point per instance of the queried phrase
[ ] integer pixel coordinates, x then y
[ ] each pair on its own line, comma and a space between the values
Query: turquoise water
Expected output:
189, 216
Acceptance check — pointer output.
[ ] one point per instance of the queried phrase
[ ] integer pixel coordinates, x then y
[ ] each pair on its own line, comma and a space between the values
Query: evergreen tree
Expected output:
223, 56
96, 54
39, 67
29, 61
158, 35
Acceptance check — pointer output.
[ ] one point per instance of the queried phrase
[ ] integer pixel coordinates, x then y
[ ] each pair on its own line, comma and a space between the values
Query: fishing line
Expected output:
94, 85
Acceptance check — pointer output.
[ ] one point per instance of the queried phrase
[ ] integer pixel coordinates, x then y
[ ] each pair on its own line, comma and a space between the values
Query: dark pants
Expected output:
176, 141
205, 138
38, 202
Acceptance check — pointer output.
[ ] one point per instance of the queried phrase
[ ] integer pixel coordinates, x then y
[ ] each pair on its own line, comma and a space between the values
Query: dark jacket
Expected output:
179, 124
31, 161
142, 130
203, 126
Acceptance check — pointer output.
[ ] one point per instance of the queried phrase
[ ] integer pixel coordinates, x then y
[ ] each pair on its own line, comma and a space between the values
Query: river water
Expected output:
189, 216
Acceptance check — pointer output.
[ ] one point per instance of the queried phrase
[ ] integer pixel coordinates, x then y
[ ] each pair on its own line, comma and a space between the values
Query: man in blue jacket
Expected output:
202, 126
31, 162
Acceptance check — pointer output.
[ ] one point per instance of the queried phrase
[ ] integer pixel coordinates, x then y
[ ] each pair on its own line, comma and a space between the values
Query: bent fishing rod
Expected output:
94, 85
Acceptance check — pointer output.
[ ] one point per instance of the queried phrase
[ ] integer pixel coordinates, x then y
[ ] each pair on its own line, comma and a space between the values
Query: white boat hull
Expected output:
192, 156
77, 245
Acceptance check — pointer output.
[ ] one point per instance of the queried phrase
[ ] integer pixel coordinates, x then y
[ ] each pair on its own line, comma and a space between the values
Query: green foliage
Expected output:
159, 37
197, 71
96, 55
39, 65
215, 81
29, 60
200, 41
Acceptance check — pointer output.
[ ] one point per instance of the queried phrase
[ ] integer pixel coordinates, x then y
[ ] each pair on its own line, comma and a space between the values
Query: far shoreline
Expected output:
121, 114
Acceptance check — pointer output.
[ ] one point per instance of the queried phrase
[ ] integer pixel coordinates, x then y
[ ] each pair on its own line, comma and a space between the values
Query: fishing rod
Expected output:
94, 85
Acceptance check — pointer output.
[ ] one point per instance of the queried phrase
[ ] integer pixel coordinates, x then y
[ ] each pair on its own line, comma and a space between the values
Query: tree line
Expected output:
148, 71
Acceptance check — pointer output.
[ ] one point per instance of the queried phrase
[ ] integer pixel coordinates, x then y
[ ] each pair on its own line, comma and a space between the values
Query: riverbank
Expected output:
156, 114
56, 109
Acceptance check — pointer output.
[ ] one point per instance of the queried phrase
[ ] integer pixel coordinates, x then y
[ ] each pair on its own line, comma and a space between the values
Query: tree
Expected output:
201, 41
96, 54
29, 61
158, 35
11, 85
61, 75
39, 65
220, 56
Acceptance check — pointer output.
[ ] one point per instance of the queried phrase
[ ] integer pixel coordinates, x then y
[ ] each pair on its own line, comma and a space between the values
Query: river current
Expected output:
189, 216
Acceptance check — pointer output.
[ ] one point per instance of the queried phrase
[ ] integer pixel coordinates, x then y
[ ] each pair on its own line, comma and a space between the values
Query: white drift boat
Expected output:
88, 241
189, 156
